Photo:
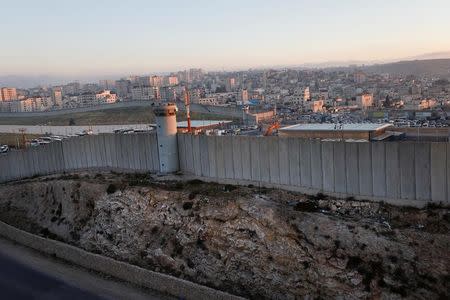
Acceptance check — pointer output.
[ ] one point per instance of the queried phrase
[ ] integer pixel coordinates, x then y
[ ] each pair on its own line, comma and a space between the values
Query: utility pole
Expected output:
187, 105
22, 132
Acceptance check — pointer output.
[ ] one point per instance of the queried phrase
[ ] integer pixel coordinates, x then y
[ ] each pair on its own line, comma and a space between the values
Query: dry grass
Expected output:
131, 115
15, 139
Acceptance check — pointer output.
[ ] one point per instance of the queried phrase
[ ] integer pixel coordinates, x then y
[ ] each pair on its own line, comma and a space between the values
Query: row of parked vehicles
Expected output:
130, 130
47, 140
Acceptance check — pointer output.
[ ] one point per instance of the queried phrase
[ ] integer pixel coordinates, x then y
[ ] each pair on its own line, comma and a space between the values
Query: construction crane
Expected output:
187, 105
271, 128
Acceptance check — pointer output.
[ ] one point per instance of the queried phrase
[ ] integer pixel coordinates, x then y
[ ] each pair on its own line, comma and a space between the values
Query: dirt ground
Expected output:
254, 242
14, 139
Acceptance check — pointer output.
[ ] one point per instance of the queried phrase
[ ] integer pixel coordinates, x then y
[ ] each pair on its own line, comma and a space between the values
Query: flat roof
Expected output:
337, 127
202, 123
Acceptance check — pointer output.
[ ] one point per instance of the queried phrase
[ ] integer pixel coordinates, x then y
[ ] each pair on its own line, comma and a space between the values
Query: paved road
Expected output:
66, 130
219, 110
28, 274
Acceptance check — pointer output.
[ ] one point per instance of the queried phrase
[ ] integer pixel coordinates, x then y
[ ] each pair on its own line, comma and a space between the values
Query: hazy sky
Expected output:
82, 37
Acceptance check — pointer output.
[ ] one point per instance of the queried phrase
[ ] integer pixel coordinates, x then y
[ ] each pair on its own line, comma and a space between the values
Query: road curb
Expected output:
156, 281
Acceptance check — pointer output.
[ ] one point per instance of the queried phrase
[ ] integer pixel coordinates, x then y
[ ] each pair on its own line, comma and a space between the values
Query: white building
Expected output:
106, 97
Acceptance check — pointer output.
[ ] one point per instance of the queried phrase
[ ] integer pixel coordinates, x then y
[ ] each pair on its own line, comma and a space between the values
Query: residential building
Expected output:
107, 84
364, 100
230, 84
242, 97
72, 88
317, 105
143, 93
8, 94
172, 80
106, 97
156, 81
123, 88
359, 77
57, 96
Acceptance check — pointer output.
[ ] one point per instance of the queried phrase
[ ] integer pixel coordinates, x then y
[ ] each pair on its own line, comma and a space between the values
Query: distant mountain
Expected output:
24, 81
433, 55
437, 67
30, 81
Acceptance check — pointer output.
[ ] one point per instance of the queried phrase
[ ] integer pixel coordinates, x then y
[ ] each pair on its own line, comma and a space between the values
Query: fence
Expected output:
125, 152
397, 172
410, 173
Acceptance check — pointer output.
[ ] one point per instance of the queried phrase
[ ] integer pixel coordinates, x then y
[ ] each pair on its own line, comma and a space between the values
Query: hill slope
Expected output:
438, 67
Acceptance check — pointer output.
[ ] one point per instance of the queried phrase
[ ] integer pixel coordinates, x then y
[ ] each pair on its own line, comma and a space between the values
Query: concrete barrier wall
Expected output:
411, 173
406, 173
122, 152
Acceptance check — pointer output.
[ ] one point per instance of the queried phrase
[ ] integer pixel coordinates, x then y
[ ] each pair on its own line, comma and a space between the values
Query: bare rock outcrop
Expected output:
253, 242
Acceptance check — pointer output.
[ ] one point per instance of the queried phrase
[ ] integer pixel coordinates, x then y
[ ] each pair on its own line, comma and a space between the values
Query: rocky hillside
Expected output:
259, 243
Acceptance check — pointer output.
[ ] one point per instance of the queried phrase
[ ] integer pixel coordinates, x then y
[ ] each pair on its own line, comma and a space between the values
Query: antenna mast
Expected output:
187, 105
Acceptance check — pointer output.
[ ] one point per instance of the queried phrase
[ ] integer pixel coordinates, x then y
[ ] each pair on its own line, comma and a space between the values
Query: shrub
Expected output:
187, 205
111, 189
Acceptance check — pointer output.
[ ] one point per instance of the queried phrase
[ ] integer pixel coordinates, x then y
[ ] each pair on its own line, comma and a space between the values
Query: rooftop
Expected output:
337, 127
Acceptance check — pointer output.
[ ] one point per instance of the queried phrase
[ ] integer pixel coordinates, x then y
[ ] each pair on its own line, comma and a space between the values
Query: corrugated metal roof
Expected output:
337, 127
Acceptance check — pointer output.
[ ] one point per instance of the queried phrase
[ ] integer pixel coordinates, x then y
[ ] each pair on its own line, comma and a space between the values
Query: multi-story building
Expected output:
143, 80
42, 103
359, 77
420, 104
317, 105
195, 75
156, 81
242, 97
10, 106
230, 84
86, 99
72, 88
107, 84
168, 93
123, 88
57, 96
172, 80
27, 105
106, 97
143, 93
364, 100
8, 94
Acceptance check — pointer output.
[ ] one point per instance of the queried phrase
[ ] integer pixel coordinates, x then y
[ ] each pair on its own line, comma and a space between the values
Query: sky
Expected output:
86, 37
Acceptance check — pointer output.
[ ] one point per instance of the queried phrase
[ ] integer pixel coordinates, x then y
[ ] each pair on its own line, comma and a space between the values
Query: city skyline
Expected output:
137, 37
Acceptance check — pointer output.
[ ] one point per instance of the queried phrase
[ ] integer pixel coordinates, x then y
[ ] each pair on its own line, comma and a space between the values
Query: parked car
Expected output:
85, 132
56, 138
4, 148
45, 139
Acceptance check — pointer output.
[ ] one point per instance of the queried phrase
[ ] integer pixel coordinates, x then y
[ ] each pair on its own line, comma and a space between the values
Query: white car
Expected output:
4, 148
